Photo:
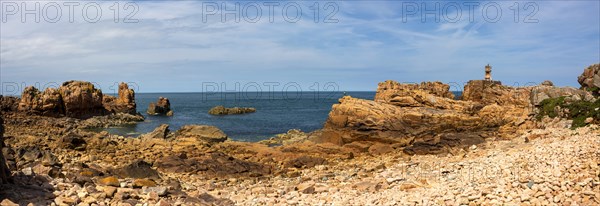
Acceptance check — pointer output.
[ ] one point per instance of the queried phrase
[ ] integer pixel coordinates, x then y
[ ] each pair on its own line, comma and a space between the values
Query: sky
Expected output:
183, 46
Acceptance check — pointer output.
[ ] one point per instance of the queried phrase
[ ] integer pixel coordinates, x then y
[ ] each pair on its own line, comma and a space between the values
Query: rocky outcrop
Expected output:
405, 115
541, 93
81, 99
48, 103
410, 95
359, 119
221, 110
76, 99
161, 107
210, 134
590, 79
4, 171
124, 103
493, 92
390, 89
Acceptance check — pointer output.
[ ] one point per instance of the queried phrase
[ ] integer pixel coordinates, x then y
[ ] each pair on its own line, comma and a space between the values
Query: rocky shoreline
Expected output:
414, 144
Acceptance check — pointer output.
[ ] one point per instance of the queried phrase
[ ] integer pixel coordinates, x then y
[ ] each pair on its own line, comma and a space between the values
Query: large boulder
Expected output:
161, 107
221, 110
590, 79
205, 133
124, 103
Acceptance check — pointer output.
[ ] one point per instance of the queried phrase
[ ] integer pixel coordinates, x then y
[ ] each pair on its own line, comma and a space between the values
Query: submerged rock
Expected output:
161, 107
221, 110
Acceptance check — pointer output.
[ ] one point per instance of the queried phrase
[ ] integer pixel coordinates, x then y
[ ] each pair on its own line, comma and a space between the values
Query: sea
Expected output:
276, 112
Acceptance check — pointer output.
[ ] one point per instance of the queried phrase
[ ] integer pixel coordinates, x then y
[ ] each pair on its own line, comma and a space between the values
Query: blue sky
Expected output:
172, 48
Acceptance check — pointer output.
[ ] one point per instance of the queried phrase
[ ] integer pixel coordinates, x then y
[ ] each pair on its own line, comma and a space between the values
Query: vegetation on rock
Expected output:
579, 110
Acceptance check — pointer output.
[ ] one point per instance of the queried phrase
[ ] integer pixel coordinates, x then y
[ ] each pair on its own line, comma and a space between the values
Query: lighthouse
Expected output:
488, 72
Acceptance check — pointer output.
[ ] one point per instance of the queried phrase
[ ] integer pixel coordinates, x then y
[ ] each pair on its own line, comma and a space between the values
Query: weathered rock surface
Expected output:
389, 89
160, 132
590, 79
210, 134
291, 136
48, 103
221, 110
214, 164
81, 99
138, 169
493, 92
124, 103
161, 107
541, 93
77, 99
117, 119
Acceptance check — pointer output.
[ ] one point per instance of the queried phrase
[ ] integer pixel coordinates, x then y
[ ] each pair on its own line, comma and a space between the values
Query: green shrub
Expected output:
578, 110
547, 107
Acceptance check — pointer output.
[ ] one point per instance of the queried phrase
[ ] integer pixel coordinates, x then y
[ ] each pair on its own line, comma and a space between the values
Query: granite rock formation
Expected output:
590, 79
77, 99
124, 103
81, 99
493, 92
161, 107
406, 115
221, 110
48, 103
390, 89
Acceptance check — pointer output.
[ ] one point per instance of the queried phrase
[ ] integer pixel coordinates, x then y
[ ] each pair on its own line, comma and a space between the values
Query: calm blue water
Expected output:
276, 112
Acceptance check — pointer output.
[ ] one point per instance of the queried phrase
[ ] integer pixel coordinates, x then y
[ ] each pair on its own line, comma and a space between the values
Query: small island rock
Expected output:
221, 110
161, 107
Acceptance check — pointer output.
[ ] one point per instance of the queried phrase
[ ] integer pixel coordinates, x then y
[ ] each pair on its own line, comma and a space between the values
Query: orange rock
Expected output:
143, 182
110, 181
